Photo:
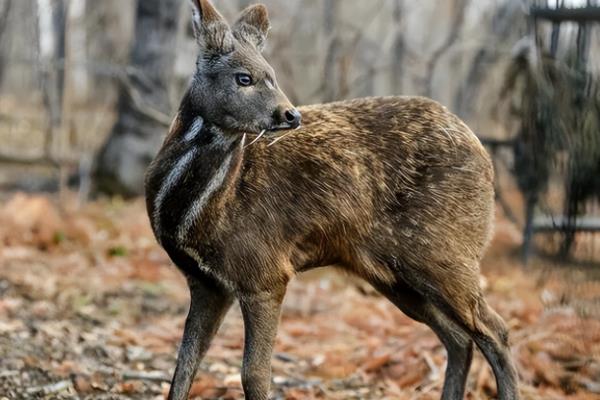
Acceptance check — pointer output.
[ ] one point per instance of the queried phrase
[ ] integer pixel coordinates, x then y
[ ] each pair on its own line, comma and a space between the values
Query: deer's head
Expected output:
234, 87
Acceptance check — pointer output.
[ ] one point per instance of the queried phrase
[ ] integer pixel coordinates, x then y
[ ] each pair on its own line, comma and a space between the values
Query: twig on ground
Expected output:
154, 376
51, 388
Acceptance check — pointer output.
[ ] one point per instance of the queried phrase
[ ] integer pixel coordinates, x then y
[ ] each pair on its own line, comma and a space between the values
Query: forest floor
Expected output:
91, 308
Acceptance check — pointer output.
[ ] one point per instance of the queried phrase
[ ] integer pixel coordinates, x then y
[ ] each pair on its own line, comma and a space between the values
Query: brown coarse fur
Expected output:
395, 190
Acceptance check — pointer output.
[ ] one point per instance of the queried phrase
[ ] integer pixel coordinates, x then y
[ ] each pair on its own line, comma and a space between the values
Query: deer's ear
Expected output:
210, 28
253, 25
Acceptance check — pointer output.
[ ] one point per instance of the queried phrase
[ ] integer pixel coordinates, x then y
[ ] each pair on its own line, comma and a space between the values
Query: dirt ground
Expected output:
91, 308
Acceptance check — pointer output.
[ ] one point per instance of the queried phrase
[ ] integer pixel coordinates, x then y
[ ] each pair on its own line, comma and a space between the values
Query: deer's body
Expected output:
395, 190
373, 185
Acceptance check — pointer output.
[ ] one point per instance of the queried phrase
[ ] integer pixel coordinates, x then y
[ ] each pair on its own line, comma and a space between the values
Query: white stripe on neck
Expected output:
168, 184
194, 130
195, 210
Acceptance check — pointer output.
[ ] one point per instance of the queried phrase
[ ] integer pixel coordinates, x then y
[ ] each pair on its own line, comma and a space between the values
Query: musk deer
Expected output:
396, 190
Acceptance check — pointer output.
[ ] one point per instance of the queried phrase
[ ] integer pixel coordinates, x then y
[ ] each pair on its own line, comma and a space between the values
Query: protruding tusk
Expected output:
279, 138
257, 138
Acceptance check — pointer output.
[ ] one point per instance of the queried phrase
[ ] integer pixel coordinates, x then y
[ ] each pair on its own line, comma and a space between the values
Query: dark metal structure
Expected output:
560, 120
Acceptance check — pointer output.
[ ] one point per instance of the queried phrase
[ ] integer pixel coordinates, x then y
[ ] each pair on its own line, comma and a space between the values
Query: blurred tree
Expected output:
144, 105
19, 49
52, 30
4, 9
504, 22
399, 48
459, 8
332, 59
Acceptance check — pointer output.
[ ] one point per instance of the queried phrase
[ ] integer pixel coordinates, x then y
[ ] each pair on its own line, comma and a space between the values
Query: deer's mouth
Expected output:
284, 127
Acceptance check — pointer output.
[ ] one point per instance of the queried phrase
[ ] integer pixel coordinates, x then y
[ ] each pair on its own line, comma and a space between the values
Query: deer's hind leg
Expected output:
454, 290
457, 342
491, 336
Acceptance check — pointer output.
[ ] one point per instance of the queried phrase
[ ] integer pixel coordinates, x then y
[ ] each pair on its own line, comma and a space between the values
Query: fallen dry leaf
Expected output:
91, 306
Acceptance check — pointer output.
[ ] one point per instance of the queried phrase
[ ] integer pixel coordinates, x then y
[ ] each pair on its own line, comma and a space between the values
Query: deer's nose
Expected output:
292, 117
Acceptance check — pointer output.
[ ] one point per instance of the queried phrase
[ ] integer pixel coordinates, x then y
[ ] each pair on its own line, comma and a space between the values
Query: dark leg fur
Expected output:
473, 318
492, 340
489, 332
261, 318
458, 344
209, 304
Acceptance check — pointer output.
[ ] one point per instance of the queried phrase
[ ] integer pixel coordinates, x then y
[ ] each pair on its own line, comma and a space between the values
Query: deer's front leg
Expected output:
261, 318
209, 304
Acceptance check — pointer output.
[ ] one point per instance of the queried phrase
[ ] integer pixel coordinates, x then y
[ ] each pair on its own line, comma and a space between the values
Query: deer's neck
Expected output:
197, 170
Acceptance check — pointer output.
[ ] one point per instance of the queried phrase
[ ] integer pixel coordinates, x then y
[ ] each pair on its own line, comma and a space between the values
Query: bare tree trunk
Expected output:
457, 24
105, 52
4, 12
19, 40
399, 48
77, 54
330, 80
52, 23
503, 26
144, 105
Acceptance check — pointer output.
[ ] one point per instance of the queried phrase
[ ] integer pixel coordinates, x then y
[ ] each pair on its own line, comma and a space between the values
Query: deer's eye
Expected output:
244, 80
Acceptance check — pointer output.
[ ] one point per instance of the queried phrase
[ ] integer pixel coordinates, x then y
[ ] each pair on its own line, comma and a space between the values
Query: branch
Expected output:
42, 160
563, 14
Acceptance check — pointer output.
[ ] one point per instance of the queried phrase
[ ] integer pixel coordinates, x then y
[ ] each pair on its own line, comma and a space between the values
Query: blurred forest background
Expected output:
89, 304
66, 65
